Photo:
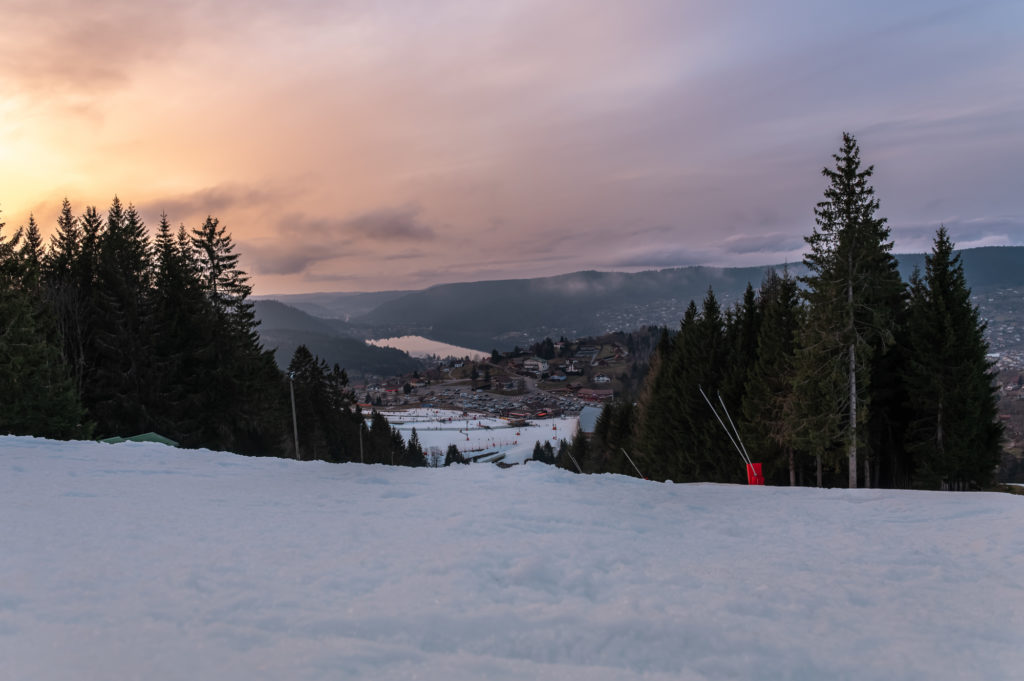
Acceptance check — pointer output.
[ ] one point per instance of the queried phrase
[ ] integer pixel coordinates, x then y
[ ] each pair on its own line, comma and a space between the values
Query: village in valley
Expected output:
552, 378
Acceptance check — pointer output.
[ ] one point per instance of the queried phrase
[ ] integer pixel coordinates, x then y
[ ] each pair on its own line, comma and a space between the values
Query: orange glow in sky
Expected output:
370, 146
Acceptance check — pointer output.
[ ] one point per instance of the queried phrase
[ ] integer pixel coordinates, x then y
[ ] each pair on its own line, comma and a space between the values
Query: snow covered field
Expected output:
477, 433
138, 561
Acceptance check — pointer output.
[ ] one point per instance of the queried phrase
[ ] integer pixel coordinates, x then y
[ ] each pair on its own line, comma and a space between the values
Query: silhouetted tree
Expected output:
954, 435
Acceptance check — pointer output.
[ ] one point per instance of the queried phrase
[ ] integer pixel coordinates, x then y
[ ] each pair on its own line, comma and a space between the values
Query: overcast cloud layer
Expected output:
363, 146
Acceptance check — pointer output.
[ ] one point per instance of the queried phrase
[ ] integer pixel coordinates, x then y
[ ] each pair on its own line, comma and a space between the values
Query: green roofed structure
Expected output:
144, 437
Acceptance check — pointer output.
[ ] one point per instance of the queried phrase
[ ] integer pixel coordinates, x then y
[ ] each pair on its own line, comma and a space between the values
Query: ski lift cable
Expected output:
734, 428
720, 421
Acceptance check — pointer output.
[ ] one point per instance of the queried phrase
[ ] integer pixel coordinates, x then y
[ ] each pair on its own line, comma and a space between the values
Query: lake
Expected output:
418, 346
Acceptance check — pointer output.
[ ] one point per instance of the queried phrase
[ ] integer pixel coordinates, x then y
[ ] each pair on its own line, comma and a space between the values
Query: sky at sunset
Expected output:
355, 146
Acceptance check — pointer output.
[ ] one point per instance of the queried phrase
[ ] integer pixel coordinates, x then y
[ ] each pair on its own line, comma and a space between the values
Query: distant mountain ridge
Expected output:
283, 328
341, 306
503, 313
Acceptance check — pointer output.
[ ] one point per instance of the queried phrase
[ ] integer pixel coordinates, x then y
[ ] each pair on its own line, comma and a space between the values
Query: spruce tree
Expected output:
65, 294
453, 455
548, 453
954, 436
414, 455
245, 410
654, 432
538, 451
677, 435
306, 373
37, 396
767, 402
742, 330
706, 452
613, 434
180, 332
32, 256
854, 292
116, 389
65, 244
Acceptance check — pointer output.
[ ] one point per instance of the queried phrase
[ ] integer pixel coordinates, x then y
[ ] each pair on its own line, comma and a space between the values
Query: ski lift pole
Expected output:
722, 423
573, 458
633, 464
734, 429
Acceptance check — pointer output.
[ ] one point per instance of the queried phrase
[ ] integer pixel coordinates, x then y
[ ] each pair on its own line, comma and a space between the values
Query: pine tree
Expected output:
226, 285
855, 293
65, 294
414, 455
245, 410
706, 453
548, 452
37, 396
677, 435
538, 451
654, 432
579, 449
767, 402
65, 244
307, 375
742, 329
32, 256
378, 444
115, 391
954, 435
453, 455
613, 434
180, 333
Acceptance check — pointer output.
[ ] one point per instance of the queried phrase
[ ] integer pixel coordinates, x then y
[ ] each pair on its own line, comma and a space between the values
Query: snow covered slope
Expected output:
479, 433
138, 561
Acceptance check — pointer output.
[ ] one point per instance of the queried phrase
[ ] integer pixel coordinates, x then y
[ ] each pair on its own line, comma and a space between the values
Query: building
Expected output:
536, 365
595, 394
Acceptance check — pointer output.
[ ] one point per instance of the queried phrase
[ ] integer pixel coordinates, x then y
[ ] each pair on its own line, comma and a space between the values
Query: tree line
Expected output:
106, 332
847, 376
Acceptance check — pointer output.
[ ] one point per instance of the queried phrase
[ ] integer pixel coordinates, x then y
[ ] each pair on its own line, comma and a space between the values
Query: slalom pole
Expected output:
720, 421
734, 429
633, 464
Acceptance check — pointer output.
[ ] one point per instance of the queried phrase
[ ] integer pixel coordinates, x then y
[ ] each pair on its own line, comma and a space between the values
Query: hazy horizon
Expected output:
764, 265
401, 145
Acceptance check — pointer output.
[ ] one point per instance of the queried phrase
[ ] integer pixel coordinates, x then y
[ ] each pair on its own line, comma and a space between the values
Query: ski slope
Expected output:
139, 561
475, 433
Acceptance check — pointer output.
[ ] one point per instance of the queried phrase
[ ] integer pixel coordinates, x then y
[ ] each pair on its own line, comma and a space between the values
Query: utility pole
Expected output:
295, 419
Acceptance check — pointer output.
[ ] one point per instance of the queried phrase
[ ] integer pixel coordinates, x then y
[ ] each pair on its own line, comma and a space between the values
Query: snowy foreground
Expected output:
138, 561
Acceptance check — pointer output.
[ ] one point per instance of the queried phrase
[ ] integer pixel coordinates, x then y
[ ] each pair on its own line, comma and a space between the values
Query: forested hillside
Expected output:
105, 332
503, 314
283, 329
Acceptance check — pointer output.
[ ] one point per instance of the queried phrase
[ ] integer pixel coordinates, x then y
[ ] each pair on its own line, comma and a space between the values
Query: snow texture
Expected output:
140, 561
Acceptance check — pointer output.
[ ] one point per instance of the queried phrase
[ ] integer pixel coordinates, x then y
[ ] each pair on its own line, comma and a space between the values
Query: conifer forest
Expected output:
105, 332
